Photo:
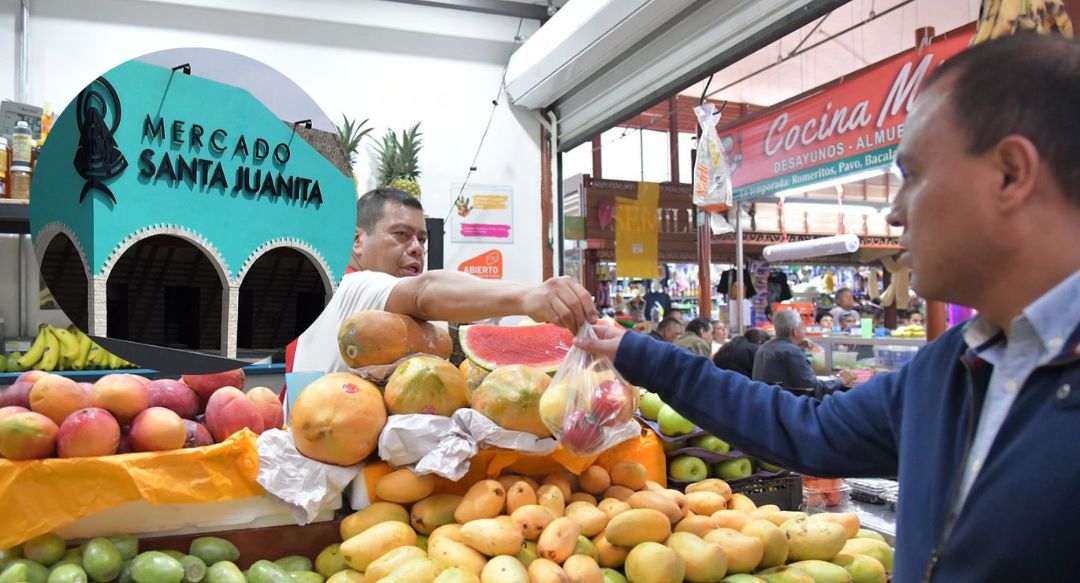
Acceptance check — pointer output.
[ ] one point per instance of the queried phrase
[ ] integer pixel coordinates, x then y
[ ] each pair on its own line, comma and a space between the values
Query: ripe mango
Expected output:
504, 569
328, 562
433, 512
773, 539
404, 487
594, 480
561, 481
613, 507
586, 547
823, 572
519, 494
532, 519
785, 574
705, 562
551, 496
360, 550
862, 568
347, 576
582, 569
558, 539
485, 499
609, 555
741, 502
591, 519
871, 548
455, 575
808, 539
447, 553
493, 536
415, 570
632, 475
657, 501
383, 565
744, 552
706, 503
651, 562
733, 519
698, 525
848, 520
636, 526
715, 485
546, 571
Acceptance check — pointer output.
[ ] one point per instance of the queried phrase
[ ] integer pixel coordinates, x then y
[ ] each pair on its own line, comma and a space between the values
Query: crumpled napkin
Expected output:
303, 485
433, 444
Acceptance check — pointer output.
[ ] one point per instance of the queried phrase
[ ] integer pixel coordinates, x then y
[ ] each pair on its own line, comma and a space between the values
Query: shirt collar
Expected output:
1054, 316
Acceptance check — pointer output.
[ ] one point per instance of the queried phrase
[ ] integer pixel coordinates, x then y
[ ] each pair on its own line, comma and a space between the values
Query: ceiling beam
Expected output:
496, 7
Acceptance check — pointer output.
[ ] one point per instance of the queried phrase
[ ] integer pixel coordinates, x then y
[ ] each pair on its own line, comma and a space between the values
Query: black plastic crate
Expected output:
785, 491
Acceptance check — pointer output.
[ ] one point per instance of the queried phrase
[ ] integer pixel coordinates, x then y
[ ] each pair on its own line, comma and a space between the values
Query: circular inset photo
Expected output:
191, 199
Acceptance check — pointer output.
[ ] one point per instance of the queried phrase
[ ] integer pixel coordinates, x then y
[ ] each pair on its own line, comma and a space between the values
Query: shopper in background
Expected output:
849, 320
668, 330
697, 336
916, 318
719, 336
825, 320
780, 361
981, 425
738, 355
388, 274
845, 302
678, 315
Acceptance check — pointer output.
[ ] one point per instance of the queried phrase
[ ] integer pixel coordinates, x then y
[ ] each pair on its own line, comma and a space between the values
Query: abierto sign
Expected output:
851, 127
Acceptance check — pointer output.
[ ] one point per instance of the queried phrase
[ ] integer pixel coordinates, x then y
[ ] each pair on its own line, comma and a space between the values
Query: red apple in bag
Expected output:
613, 403
581, 434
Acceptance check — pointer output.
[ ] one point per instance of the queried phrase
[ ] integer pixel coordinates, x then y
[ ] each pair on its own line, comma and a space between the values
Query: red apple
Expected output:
581, 434
205, 385
613, 403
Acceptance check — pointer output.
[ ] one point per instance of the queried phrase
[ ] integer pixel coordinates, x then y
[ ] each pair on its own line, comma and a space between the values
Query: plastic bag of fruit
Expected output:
588, 406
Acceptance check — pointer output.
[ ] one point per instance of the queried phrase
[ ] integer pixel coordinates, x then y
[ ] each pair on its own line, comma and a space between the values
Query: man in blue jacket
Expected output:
983, 426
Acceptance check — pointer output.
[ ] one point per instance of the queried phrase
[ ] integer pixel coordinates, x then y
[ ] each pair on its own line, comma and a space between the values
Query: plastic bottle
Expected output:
20, 181
22, 145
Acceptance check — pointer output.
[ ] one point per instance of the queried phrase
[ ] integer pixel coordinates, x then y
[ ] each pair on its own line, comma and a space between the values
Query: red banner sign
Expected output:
851, 127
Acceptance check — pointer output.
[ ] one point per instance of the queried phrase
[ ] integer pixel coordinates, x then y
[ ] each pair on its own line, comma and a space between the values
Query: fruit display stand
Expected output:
188, 490
266, 374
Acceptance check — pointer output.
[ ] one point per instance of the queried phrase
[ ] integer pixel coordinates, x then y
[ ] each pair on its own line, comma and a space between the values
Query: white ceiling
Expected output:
884, 36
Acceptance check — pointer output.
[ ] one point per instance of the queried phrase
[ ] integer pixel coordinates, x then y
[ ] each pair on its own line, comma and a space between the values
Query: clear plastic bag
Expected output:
712, 173
588, 406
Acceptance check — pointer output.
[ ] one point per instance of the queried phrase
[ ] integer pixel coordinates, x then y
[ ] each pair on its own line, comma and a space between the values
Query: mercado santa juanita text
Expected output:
208, 174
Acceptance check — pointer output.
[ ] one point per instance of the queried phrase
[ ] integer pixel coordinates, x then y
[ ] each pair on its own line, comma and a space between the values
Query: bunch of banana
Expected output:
64, 349
1000, 18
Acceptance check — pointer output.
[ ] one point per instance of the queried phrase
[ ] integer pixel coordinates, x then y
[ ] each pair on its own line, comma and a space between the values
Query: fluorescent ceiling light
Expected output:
832, 207
842, 180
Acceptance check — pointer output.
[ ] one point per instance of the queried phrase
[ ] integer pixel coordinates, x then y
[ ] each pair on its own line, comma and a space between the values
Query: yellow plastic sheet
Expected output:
40, 496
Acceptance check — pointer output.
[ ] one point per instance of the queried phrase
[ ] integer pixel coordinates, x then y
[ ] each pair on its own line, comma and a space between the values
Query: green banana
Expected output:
33, 355
69, 344
84, 352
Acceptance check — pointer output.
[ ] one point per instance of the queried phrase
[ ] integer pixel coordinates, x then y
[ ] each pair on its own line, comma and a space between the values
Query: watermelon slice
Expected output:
543, 346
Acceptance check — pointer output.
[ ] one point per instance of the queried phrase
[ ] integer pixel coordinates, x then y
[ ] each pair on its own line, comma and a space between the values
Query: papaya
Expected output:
427, 385
377, 337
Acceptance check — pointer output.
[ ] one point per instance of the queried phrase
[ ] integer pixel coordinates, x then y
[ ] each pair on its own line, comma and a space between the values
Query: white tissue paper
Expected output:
302, 484
432, 444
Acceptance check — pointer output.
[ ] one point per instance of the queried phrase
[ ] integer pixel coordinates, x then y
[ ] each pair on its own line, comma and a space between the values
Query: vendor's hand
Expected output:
562, 301
606, 343
847, 377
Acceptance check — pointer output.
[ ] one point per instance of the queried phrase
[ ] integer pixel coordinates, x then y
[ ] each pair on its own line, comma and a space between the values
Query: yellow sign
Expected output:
636, 243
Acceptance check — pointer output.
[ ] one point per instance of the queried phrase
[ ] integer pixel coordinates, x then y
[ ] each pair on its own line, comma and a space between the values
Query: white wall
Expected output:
395, 64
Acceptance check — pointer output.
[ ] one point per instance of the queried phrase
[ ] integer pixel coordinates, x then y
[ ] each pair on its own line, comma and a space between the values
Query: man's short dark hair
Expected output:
372, 205
699, 325
756, 336
1026, 85
842, 291
667, 322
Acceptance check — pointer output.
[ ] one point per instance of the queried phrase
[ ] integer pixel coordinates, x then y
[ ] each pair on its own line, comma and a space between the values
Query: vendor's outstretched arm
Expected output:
847, 434
458, 297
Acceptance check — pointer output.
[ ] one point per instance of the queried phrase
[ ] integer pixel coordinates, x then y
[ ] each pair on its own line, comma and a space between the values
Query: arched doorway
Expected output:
281, 294
63, 276
165, 291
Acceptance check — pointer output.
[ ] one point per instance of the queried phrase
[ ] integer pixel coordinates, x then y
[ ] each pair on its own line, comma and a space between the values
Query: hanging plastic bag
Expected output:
712, 174
588, 406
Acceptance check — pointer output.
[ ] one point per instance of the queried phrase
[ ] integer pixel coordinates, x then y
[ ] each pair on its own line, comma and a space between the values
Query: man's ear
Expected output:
1018, 161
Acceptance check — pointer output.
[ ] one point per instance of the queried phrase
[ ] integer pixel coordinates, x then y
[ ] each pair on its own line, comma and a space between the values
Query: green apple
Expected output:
711, 443
612, 576
650, 405
672, 424
733, 469
688, 468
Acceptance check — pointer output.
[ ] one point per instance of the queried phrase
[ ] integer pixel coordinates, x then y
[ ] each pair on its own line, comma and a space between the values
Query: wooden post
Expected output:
937, 319
673, 139
597, 162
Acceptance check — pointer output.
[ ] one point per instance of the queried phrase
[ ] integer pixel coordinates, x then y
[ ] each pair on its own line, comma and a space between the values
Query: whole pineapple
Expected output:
399, 160
350, 135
